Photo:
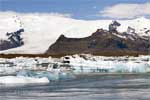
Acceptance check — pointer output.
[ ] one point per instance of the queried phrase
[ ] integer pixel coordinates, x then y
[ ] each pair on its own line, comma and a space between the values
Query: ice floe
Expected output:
29, 70
22, 80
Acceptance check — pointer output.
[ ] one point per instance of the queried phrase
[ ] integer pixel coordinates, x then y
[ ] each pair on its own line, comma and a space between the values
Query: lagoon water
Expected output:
84, 87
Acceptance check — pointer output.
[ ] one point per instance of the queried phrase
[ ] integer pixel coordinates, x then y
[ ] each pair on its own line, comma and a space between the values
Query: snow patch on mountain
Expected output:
42, 30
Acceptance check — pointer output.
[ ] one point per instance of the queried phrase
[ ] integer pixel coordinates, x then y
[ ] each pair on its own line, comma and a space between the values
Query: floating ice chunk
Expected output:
28, 73
66, 76
121, 67
51, 76
131, 67
22, 80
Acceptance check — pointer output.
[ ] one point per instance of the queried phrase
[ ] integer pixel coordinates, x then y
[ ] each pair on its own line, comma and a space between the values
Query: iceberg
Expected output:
79, 63
51, 76
125, 64
113, 67
22, 80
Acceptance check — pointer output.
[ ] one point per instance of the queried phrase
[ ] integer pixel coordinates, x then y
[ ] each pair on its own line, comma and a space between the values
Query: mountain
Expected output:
101, 42
42, 30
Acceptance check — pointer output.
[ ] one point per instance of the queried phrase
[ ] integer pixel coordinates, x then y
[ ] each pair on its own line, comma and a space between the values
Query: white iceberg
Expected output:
125, 64
22, 80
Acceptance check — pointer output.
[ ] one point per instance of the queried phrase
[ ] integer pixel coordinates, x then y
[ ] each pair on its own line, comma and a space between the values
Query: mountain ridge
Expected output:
101, 42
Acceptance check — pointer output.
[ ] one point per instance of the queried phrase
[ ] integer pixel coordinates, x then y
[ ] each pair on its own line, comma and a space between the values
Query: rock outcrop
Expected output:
14, 40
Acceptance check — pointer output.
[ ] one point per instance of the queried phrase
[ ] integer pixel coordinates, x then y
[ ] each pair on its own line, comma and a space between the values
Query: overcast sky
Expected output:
81, 9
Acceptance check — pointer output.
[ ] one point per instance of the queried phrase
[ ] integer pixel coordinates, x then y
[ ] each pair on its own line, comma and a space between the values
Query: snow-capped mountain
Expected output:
42, 30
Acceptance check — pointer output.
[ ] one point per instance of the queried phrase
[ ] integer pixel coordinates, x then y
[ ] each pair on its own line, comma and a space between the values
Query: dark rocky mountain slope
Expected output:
14, 40
101, 42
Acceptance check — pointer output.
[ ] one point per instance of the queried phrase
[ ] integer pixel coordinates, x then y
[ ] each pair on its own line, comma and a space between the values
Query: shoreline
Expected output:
61, 55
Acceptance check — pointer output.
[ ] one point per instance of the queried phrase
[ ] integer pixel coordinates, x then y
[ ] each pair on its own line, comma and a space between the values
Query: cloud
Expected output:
125, 10
61, 14
68, 15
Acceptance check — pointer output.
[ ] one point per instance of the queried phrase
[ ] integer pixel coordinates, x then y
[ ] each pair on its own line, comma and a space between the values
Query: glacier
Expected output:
47, 27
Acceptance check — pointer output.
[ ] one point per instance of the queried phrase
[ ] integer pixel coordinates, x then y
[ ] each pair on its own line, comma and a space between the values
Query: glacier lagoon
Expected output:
93, 77
89, 87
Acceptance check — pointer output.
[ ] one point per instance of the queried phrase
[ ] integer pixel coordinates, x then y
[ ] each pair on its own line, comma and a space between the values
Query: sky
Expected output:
81, 9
